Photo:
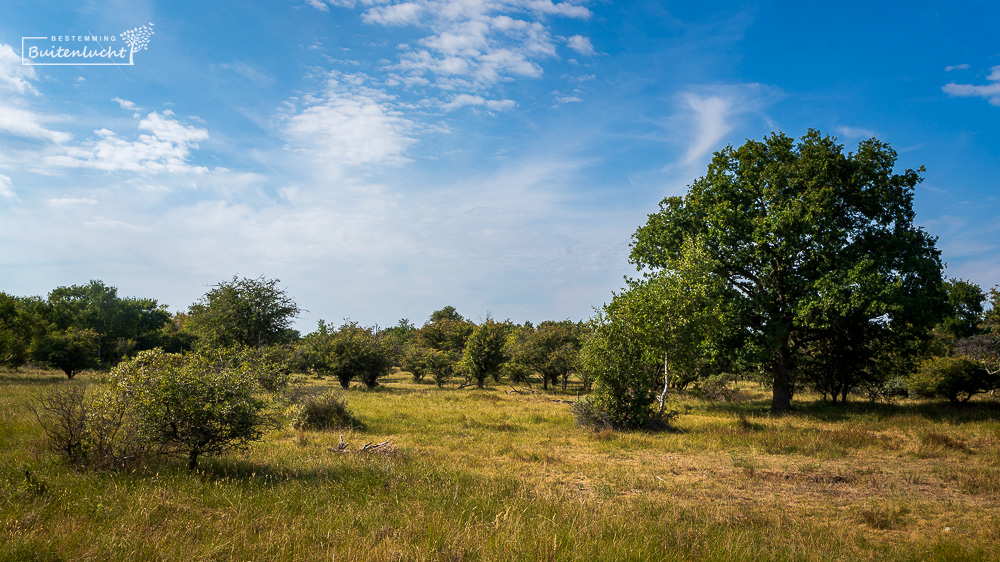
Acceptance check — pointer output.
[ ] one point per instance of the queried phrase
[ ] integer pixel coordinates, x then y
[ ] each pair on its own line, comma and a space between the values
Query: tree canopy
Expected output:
810, 242
244, 312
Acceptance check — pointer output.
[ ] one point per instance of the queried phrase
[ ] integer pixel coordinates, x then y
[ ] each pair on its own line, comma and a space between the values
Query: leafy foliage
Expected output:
615, 354
193, 404
71, 350
244, 312
122, 325
954, 378
552, 350
965, 308
485, 354
806, 239
350, 352
20, 323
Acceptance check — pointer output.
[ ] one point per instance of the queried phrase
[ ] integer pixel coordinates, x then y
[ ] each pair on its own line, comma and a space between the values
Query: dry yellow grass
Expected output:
488, 474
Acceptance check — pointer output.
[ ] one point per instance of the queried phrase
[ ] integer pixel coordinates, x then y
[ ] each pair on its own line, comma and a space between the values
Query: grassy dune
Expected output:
482, 474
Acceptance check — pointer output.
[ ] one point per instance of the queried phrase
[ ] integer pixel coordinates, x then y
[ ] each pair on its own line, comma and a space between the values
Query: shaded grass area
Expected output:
486, 475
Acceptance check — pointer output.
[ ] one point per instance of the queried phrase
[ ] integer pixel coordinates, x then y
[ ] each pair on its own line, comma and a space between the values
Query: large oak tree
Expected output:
808, 241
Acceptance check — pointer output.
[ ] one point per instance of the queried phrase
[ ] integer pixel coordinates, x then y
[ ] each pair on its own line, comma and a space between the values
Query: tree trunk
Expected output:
193, 460
781, 388
666, 382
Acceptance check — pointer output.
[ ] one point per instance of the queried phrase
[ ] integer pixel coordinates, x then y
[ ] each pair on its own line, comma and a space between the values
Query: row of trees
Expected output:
88, 326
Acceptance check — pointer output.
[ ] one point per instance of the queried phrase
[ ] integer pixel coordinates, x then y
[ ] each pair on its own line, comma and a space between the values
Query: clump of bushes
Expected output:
323, 410
956, 378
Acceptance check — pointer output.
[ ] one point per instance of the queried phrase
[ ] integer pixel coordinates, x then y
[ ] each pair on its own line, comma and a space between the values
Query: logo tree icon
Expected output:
137, 39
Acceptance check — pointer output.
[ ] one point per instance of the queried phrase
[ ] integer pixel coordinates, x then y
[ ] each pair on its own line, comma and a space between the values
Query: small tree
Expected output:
71, 350
350, 352
484, 351
614, 353
244, 312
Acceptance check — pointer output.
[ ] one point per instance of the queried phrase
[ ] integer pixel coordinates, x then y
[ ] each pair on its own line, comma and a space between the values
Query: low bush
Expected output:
62, 413
325, 410
588, 412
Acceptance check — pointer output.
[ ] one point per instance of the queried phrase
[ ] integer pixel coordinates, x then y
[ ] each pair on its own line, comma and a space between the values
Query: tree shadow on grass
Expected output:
937, 411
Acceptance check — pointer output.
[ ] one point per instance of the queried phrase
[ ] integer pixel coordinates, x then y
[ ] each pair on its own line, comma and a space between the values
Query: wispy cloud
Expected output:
989, 91
706, 115
710, 114
956, 67
7, 188
855, 132
13, 76
256, 74
125, 104
349, 123
467, 100
17, 116
469, 47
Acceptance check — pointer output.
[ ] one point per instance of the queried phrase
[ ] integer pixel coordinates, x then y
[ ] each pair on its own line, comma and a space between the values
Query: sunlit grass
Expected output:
491, 474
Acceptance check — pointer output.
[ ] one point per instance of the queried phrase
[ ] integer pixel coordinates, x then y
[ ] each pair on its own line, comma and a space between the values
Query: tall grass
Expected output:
486, 475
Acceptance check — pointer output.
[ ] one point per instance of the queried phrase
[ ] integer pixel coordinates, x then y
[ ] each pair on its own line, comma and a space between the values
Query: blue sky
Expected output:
384, 159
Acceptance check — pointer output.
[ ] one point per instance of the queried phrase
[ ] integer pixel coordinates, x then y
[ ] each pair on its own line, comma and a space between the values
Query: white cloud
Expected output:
394, 14
581, 45
855, 132
466, 100
989, 92
29, 124
349, 123
7, 188
16, 116
15, 77
706, 115
710, 115
473, 45
165, 149
125, 104
956, 67
322, 4
71, 201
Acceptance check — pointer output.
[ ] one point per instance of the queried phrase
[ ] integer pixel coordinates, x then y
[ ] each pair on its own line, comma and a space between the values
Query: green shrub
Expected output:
956, 378
589, 412
325, 410
350, 352
192, 405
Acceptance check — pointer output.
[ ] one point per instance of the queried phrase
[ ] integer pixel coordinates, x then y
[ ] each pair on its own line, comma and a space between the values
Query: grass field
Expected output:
482, 474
